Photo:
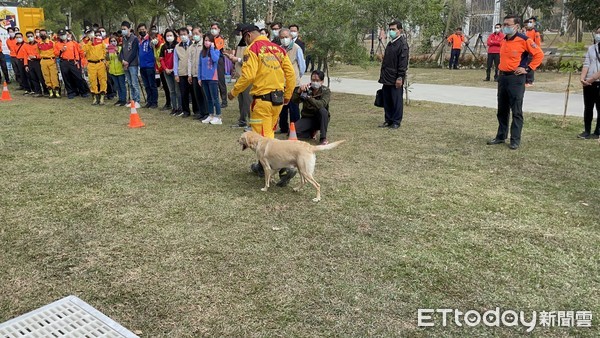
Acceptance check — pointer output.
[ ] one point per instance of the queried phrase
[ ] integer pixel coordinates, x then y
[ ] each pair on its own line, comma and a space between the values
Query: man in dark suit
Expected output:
294, 32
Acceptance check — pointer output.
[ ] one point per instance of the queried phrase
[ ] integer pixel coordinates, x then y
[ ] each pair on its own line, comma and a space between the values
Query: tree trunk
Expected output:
270, 12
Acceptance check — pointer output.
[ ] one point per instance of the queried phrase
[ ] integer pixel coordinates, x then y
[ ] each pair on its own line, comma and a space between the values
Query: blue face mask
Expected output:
393, 34
508, 30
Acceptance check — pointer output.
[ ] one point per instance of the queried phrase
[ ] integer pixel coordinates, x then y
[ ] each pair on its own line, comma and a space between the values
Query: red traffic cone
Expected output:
134, 118
293, 136
5, 93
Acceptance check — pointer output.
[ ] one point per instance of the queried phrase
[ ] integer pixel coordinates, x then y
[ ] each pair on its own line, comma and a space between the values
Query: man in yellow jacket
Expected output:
95, 51
268, 68
48, 64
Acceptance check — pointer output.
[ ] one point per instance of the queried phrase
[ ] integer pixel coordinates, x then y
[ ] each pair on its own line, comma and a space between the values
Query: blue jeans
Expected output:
119, 86
131, 73
211, 89
174, 91
454, 55
148, 76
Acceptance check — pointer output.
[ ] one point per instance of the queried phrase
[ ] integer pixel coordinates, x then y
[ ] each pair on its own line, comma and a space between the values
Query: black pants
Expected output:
4, 68
454, 55
184, 89
199, 102
222, 84
14, 62
591, 98
511, 89
165, 87
35, 76
493, 58
530, 76
244, 103
393, 105
306, 126
74, 82
23, 76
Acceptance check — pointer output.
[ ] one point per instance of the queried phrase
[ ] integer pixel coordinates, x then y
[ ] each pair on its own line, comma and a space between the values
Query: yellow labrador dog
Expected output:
276, 154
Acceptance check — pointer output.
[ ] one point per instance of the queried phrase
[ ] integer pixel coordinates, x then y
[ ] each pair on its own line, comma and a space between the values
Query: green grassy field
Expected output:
165, 230
544, 81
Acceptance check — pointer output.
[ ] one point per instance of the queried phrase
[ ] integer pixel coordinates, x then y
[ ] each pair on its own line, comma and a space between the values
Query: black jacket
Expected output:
395, 62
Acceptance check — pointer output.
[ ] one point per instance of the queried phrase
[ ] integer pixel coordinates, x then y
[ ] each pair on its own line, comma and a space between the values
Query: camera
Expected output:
304, 96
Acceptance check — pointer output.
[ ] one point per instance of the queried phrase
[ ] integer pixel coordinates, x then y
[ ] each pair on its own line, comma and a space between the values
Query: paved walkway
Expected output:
535, 102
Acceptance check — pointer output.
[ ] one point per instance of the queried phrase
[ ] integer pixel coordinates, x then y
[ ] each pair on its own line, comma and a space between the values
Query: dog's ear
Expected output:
243, 141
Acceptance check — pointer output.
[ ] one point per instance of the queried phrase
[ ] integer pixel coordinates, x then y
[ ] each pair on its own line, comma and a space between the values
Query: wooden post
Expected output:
564, 123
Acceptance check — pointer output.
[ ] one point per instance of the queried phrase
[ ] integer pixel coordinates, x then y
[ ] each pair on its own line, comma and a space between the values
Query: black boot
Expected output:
285, 176
257, 168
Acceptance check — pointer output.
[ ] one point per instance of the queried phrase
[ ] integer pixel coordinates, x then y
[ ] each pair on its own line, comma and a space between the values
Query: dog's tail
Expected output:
328, 146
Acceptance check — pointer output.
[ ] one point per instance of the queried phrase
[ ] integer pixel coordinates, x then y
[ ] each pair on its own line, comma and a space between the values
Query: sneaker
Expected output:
248, 128
117, 103
286, 175
123, 104
584, 135
27, 93
239, 125
224, 104
174, 112
147, 105
153, 106
208, 119
199, 117
166, 107
594, 136
257, 169
184, 114
216, 120
385, 125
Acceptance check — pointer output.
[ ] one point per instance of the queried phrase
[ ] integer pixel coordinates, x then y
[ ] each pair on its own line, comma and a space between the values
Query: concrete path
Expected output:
535, 102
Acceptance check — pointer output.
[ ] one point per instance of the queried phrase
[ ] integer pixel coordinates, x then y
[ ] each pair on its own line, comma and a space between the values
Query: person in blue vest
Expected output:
147, 69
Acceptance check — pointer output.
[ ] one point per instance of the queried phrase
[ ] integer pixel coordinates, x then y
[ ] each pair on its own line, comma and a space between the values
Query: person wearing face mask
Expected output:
11, 43
48, 63
70, 53
129, 55
3, 66
268, 68
115, 70
455, 41
199, 100
275, 28
392, 75
294, 29
494, 41
37, 35
147, 66
514, 64
294, 53
181, 69
21, 56
161, 81
215, 31
32, 65
244, 99
95, 52
264, 32
208, 78
110, 90
167, 62
314, 97
590, 80
534, 35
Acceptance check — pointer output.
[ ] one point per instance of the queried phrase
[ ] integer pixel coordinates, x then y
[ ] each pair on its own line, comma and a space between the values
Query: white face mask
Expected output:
170, 38
30, 38
91, 35
63, 37
276, 33
184, 38
497, 30
285, 42
197, 38
11, 35
597, 38
37, 35
294, 34
530, 24
103, 34
214, 32
155, 42
125, 32
315, 85
19, 40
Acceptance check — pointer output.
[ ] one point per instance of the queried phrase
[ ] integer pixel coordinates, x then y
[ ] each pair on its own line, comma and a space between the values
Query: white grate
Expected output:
68, 317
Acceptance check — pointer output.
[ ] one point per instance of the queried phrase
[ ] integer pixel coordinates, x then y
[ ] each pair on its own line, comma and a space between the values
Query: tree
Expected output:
587, 11
519, 7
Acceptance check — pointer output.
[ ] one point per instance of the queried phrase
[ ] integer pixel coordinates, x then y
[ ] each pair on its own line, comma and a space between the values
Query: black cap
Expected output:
61, 32
246, 28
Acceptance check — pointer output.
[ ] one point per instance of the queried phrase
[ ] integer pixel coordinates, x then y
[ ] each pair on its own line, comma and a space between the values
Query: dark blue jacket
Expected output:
146, 51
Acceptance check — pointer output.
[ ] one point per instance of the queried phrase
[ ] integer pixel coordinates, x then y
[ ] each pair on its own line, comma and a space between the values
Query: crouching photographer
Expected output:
315, 108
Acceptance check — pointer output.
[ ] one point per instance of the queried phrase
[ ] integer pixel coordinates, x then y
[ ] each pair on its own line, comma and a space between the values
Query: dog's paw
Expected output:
317, 199
296, 189
264, 189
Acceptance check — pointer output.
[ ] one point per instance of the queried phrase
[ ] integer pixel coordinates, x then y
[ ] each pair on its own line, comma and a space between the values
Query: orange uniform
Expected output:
456, 40
12, 46
72, 52
21, 51
515, 51
535, 36
31, 52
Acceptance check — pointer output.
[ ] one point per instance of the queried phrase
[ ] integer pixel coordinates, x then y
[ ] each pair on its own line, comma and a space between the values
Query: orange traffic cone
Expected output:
5, 93
293, 136
134, 118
